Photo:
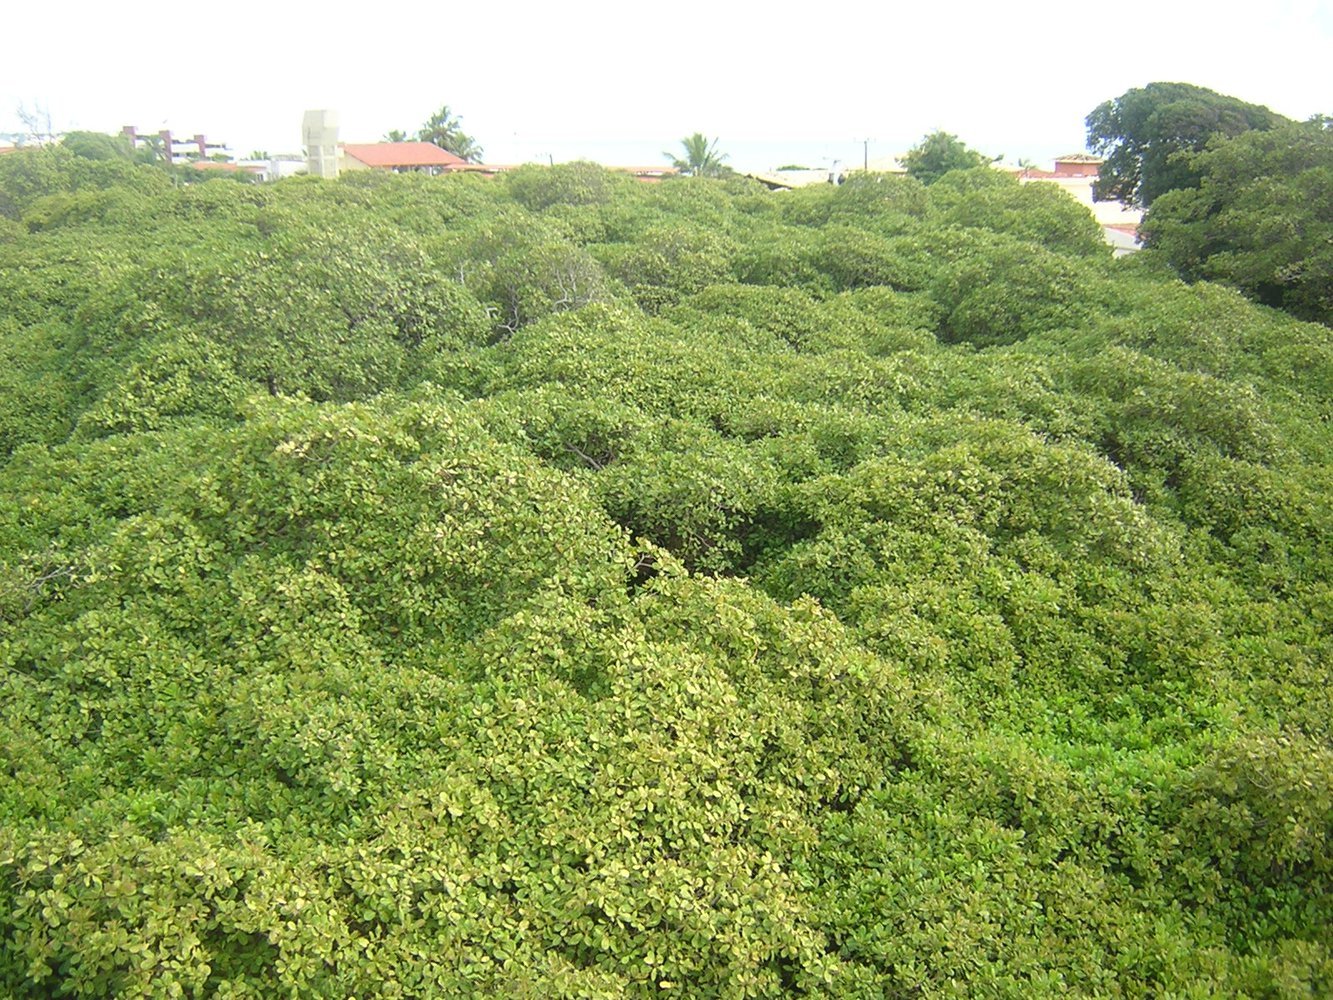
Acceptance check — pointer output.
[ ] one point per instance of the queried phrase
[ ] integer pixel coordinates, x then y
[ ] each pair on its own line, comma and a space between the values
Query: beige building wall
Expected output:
346, 162
1107, 213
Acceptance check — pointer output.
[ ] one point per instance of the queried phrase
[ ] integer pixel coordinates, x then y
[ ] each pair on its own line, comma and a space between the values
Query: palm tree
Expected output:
701, 157
444, 129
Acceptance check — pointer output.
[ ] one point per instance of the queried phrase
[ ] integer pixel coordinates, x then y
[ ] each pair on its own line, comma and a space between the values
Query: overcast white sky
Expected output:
621, 82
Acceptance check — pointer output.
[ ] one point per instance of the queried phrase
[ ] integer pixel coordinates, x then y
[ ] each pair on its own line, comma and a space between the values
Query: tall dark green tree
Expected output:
97, 146
1260, 218
1141, 131
938, 153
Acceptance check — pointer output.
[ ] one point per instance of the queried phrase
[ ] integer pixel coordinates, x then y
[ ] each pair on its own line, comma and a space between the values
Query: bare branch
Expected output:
573, 449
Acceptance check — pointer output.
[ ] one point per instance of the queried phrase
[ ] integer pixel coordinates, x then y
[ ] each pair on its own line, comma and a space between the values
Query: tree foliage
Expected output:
445, 129
559, 585
701, 157
937, 154
1141, 132
1259, 220
97, 146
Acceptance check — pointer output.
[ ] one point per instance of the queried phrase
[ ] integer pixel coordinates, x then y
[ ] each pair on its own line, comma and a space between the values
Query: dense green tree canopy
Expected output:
563, 586
97, 146
1260, 219
1141, 131
938, 153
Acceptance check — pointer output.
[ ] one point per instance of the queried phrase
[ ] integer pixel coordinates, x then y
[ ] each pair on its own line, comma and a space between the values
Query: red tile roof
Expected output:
401, 154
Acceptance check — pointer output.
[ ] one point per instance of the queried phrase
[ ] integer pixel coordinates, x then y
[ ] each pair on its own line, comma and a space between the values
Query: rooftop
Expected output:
401, 154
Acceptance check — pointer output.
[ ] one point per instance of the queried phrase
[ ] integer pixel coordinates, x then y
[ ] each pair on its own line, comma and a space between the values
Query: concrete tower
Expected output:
319, 135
